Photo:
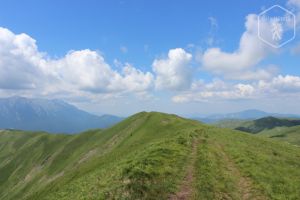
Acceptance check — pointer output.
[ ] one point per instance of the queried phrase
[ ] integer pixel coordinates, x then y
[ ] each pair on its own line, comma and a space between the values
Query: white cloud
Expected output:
255, 74
173, 72
279, 86
85, 73
19, 61
23, 67
215, 90
135, 80
239, 63
88, 71
85, 70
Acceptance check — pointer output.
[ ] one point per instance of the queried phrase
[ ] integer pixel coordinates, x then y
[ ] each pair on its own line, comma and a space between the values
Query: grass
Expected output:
287, 134
231, 123
213, 180
145, 157
272, 166
267, 123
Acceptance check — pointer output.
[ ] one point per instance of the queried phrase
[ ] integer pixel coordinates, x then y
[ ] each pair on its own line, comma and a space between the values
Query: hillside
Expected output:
147, 156
267, 123
287, 134
231, 123
280, 129
53, 116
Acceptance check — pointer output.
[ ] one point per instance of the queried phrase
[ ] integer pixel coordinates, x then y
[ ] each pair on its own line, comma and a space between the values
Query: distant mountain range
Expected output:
243, 115
54, 116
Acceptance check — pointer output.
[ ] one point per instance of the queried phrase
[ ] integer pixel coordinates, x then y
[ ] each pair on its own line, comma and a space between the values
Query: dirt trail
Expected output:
244, 184
186, 189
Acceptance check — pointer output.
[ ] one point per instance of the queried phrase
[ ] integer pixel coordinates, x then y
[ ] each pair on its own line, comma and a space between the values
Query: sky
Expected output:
191, 58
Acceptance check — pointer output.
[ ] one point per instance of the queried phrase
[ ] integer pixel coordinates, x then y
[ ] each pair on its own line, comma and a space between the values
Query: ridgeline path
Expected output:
244, 184
186, 189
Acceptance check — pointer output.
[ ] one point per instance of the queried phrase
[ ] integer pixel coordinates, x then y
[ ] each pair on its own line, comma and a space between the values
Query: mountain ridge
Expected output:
55, 116
147, 156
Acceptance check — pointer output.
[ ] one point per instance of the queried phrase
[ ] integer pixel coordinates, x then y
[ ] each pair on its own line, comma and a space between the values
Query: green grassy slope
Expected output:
287, 130
267, 123
147, 156
231, 123
236, 165
288, 134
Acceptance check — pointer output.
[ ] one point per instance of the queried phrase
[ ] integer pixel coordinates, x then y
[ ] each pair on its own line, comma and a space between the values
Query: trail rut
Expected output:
186, 188
244, 184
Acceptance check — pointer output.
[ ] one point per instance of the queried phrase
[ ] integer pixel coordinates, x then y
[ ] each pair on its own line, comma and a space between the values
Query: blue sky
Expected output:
138, 33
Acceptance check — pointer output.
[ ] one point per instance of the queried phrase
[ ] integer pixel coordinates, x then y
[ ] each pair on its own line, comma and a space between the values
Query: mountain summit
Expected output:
55, 116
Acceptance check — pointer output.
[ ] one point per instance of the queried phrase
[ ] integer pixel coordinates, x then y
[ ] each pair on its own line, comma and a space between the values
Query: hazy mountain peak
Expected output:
48, 115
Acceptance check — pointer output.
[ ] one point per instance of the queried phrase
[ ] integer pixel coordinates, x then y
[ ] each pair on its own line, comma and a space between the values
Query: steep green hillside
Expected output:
147, 156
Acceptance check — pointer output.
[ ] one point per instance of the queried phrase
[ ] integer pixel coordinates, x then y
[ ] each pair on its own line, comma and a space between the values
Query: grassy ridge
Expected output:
273, 167
213, 180
102, 159
146, 157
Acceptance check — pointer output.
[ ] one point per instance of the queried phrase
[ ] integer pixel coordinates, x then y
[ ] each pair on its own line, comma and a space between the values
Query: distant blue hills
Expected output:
54, 116
251, 114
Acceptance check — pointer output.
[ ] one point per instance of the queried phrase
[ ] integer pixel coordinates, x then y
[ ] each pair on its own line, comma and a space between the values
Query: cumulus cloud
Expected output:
215, 90
135, 80
281, 85
240, 62
173, 72
87, 70
19, 61
278, 86
86, 73
23, 67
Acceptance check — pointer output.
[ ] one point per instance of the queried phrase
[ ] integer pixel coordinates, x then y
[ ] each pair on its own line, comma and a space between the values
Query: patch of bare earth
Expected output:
87, 156
186, 188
